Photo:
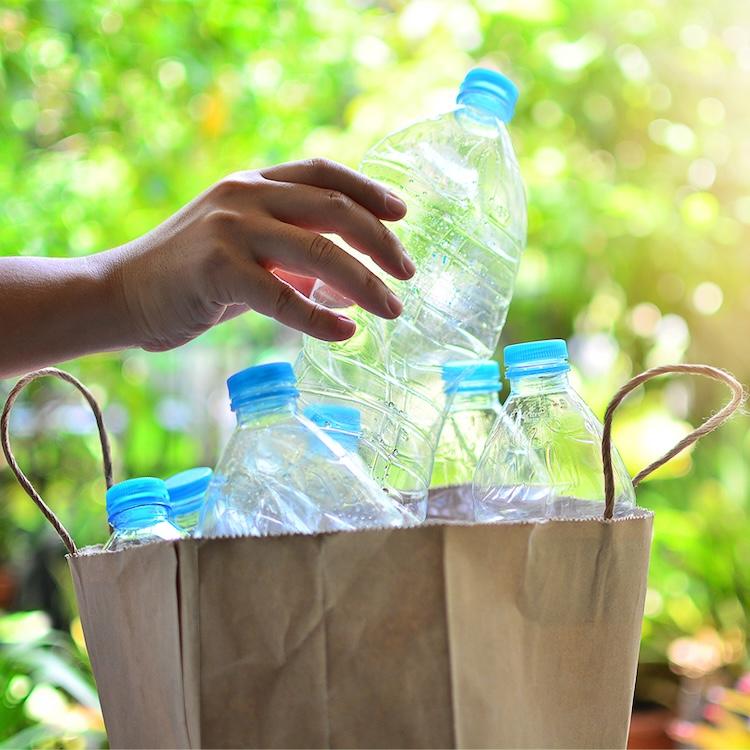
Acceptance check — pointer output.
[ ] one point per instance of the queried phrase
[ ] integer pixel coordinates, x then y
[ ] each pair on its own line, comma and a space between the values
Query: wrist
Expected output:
103, 277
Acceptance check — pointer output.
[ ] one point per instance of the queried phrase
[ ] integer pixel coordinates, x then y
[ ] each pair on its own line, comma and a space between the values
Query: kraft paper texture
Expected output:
513, 635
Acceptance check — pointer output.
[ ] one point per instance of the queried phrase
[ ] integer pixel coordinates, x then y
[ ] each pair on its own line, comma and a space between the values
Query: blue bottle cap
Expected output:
471, 376
536, 358
274, 380
186, 489
491, 91
342, 423
133, 493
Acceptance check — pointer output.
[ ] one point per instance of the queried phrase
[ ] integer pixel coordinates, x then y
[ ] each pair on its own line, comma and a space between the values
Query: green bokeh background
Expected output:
633, 140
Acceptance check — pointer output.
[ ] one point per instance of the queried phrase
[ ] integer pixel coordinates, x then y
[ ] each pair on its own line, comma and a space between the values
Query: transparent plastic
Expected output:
567, 436
399, 425
187, 521
511, 482
187, 492
342, 424
141, 525
462, 440
465, 230
281, 474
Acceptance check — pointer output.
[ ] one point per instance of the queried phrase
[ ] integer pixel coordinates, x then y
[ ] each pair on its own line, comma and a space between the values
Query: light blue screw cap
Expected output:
471, 376
489, 90
134, 493
536, 358
186, 489
274, 380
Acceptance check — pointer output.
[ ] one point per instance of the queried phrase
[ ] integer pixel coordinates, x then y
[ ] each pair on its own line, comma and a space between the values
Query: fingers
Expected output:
330, 175
260, 290
308, 254
233, 311
327, 210
303, 284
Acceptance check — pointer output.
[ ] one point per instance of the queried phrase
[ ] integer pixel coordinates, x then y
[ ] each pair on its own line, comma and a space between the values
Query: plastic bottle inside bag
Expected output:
138, 511
465, 230
474, 385
187, 492
280, 473
563, 431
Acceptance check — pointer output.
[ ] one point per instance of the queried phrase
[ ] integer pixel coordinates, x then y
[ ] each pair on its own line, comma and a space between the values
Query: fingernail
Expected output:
394, 304
408, 265
394, 204
347, 323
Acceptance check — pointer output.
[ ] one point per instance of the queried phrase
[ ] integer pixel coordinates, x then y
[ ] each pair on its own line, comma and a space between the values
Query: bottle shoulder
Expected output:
564, 430
558, 401
439, 167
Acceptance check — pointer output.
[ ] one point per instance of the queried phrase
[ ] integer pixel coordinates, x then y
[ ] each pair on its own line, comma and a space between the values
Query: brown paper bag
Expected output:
445, 635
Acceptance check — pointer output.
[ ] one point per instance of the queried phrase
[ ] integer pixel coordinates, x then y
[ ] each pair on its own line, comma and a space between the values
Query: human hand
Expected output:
252, 242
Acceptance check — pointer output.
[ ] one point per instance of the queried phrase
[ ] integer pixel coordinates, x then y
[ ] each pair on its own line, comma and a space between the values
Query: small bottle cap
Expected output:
133, 493
536, 358
186, 489
471, 376
491, 91
274, 380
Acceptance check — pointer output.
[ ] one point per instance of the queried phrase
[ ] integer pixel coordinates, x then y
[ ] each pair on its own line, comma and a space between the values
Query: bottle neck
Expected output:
475, 401
534, 385
476, 119
265, 409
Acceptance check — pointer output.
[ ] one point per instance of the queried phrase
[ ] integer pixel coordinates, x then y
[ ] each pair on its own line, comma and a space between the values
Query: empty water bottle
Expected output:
465, 230
466, 224
186, 494
562, 429
474, 386
281, 474
138, 511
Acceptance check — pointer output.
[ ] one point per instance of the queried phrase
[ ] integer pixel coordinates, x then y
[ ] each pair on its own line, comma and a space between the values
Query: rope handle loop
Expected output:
714, 373
23, 480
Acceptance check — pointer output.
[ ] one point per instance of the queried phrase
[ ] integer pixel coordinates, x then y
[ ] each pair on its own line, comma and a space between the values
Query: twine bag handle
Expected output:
23, 480
709, 425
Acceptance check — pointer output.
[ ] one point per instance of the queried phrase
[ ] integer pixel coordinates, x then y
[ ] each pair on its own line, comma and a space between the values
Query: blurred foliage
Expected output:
47, 692
633, 139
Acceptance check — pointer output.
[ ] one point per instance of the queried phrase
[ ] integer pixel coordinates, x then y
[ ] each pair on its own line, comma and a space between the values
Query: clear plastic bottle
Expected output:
563, 431
138, 511
187, 491
474, 385
466, 223
281, 474
465, 230
510, 482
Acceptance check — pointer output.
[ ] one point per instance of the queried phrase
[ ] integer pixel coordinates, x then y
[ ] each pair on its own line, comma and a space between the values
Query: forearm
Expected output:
54, 309
253, 241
